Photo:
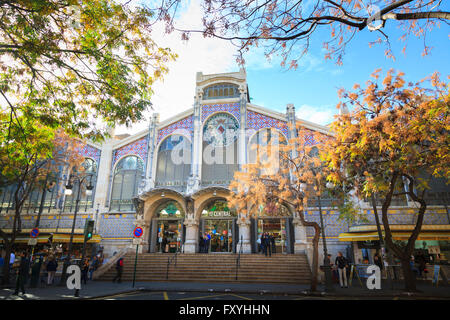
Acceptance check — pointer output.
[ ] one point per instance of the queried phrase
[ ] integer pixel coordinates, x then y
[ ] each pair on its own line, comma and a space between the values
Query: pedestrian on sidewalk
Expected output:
377, 261
36, 271
259, 242
421, 263
207, 239
342, 264
200, 244
93, 267
12, 258
52, 265
119, 268
84, 271
267, 247
2, 262
22, 273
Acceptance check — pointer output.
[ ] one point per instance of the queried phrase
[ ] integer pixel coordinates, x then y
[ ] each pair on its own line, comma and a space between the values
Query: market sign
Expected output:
219, 214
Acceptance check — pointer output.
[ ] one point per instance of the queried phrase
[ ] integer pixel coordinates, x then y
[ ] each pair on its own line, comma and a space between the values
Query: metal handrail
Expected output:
238, 259
169, 261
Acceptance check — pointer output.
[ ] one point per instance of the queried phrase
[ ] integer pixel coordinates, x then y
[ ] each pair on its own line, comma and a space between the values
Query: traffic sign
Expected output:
138, 232
32, 241
137, 241
34, 233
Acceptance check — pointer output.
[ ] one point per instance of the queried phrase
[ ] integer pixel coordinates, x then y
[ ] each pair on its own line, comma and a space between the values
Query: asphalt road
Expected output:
205, 296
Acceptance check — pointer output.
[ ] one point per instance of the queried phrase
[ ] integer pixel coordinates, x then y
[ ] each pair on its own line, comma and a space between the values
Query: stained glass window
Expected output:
222, 90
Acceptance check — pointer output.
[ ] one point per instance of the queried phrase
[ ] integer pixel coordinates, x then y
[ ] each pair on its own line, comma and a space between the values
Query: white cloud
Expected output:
176, 93
318, 114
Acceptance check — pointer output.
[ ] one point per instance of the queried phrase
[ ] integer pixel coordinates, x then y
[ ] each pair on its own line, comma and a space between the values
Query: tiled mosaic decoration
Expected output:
186, 123
233, 108
91, 152
259, 121
139, 147
117, 226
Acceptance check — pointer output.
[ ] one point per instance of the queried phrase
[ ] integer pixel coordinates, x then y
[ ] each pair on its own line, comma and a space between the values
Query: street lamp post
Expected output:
326, 261
68, 192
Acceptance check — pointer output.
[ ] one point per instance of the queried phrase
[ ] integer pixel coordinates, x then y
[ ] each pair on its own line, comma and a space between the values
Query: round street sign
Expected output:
138, 232
34, 233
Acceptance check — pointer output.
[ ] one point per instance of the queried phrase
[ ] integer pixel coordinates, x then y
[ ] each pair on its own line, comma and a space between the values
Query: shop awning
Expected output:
364, 236
59, 238
40, 239
77, 238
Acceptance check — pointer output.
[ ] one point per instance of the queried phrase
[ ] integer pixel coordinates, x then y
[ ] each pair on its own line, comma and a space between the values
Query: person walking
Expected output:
342, 264
22, 273
119, 269
52, 265
272, 243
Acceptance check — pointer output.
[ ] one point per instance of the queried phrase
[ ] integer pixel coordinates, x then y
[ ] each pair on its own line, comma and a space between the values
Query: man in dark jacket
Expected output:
268, 247
342, 264
22, 273
119, 268
272, 243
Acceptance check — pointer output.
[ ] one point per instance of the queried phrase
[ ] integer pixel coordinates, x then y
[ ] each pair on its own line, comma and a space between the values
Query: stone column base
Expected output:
190, 246
300, 247
246, 247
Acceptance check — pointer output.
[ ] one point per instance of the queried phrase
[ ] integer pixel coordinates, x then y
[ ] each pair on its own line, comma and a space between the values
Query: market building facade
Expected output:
180, 169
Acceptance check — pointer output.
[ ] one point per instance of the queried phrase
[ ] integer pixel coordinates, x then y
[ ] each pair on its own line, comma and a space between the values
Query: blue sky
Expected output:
312, 88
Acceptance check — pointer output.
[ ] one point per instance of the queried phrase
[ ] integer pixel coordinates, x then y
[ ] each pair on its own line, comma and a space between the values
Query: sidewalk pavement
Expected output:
99, 289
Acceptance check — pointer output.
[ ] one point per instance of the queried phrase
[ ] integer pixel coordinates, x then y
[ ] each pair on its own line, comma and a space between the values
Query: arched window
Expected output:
170, 209
218, 208
86, 202
174, 162
220, 149
222, 90
258, 145
127, 177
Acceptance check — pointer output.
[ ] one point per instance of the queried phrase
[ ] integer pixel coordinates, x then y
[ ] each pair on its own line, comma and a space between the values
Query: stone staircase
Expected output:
254, 268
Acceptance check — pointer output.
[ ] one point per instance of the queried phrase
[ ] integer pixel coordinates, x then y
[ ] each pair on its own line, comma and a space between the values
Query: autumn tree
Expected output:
396, 134
283, 174
70, 63
28, 155
288, 27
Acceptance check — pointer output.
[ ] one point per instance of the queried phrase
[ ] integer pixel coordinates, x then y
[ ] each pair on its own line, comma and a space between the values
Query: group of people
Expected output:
267, 244
38, 265
205, 239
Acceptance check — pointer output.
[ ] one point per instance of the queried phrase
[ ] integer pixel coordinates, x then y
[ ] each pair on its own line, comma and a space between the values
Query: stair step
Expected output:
279, 268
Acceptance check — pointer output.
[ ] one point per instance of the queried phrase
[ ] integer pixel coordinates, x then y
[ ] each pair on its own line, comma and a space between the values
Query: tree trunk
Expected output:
408, 275
315, 264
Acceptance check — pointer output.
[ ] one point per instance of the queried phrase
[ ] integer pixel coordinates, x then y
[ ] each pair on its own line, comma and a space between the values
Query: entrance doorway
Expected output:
277, 228
169, 236
167, 229
220, 231
219, 223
